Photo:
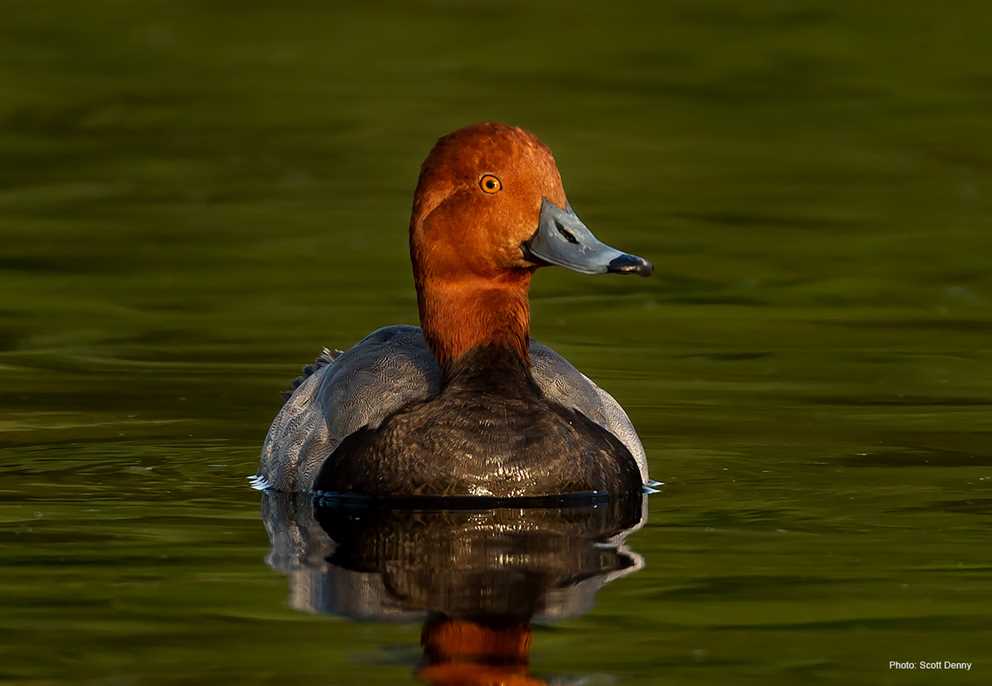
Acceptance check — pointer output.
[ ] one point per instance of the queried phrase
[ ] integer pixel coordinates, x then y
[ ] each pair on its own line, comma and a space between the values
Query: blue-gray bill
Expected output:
562, 239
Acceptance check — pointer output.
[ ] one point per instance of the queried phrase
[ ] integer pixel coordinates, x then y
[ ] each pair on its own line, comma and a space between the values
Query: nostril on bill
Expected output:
565, 233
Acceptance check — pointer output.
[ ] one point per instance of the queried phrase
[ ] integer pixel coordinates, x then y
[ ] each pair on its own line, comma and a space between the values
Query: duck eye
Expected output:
490, 184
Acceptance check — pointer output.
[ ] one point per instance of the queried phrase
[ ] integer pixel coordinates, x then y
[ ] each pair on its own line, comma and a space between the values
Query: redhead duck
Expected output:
467, 405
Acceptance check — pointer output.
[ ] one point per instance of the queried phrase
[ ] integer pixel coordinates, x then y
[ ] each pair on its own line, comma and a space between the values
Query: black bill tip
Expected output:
630, 264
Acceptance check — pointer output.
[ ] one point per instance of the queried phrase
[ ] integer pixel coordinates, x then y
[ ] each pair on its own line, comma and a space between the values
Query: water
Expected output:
195, 198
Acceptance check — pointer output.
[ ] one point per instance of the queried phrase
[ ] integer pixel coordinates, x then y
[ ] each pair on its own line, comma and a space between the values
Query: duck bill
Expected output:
562, 239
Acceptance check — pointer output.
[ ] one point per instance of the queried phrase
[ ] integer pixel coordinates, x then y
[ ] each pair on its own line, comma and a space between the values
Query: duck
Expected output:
466, 405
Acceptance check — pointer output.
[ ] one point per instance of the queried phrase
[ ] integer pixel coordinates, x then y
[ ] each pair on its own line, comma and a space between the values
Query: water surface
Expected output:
196, 197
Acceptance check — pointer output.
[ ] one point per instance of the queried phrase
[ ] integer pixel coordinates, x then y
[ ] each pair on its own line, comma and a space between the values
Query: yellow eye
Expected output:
490, 184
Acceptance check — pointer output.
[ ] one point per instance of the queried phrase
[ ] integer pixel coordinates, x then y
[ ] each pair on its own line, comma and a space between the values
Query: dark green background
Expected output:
196, 196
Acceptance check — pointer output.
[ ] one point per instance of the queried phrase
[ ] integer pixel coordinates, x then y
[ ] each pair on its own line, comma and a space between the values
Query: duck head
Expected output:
489, 210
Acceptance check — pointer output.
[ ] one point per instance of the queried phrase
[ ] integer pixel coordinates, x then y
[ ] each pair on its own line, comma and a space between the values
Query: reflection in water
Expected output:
476, 578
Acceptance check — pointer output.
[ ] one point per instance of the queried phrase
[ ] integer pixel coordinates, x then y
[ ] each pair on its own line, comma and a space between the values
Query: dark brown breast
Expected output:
488, 432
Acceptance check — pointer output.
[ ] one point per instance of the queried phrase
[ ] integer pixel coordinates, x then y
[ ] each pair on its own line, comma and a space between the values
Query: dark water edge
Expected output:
196, 197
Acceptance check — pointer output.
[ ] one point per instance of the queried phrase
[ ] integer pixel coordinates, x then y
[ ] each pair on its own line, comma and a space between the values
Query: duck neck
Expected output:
467, 314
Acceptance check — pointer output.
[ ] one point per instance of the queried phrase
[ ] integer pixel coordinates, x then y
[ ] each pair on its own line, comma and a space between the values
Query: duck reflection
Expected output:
476, 578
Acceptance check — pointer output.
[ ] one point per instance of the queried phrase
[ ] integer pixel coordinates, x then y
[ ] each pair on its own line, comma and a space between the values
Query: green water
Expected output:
195, 197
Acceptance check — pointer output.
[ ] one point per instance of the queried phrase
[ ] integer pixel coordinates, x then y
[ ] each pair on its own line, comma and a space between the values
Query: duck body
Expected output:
374, 420
467, 404
489, 432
